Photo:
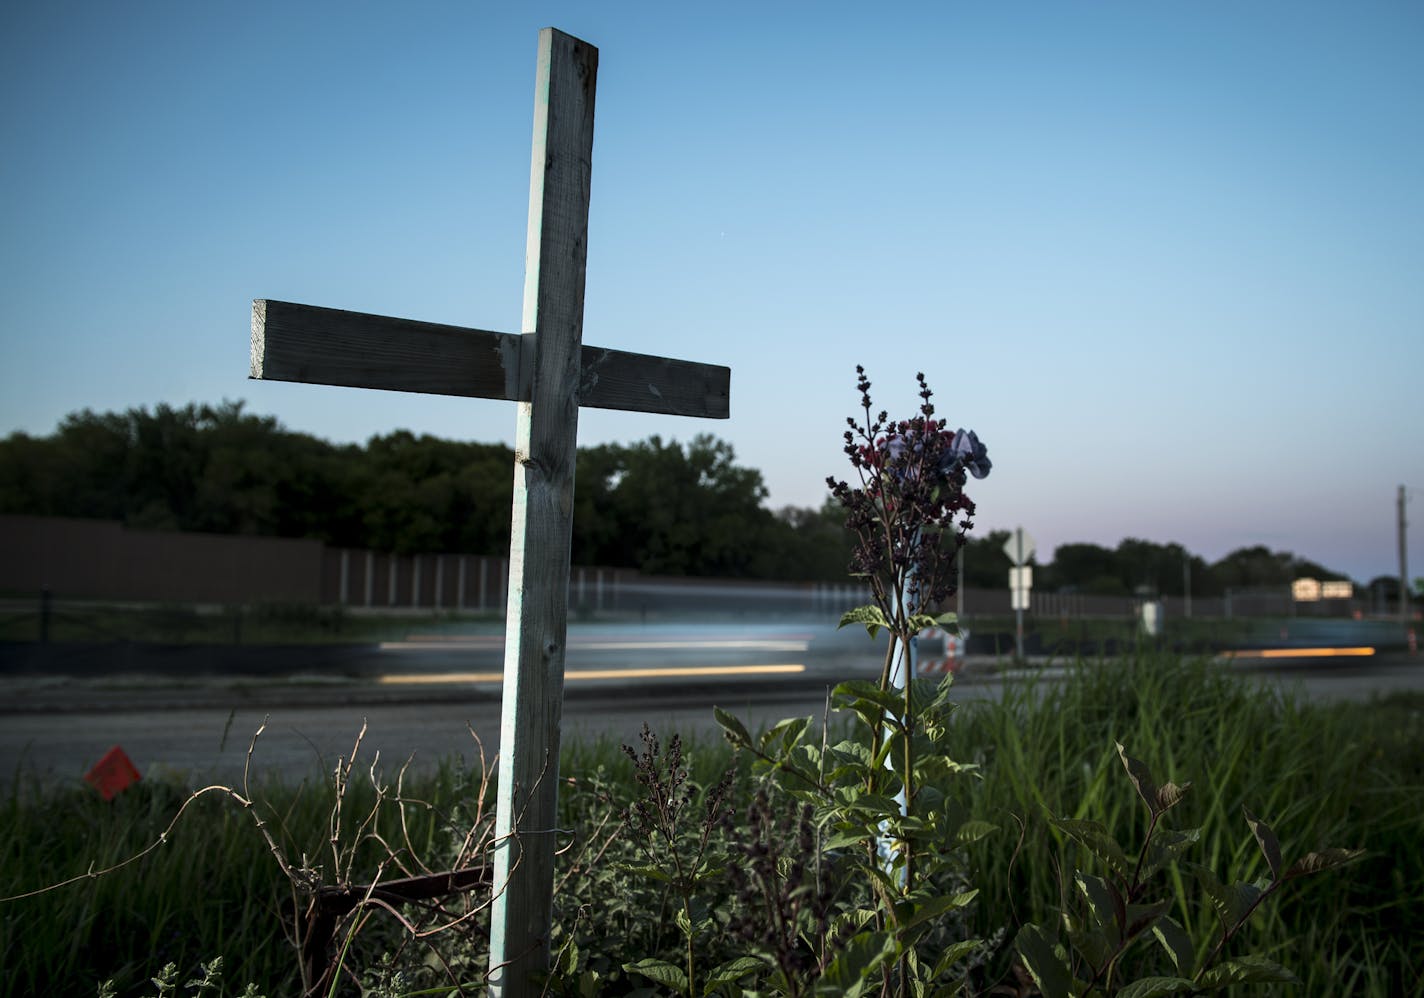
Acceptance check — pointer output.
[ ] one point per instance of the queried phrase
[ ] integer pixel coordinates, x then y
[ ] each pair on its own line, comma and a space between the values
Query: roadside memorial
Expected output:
548, 371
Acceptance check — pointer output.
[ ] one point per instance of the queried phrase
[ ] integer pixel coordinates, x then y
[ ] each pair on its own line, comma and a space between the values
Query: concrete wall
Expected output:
102, 559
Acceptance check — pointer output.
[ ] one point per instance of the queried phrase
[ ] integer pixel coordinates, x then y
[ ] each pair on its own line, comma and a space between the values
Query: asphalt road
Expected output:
437, 697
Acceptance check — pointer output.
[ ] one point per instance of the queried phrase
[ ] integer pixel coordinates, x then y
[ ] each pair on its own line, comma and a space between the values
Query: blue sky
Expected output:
1167, 259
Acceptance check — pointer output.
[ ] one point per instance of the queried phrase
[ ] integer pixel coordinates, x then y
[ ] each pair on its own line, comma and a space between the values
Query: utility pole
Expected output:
1403, 565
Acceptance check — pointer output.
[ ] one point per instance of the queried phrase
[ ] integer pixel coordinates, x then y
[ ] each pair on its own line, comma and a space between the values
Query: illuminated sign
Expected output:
1310, 590
1305, 590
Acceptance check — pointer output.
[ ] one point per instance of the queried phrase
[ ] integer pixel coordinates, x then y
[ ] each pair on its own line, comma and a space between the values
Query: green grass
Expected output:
212, 889
1347, 775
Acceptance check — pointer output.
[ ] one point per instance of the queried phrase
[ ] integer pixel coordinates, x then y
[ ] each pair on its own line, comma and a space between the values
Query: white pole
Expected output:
536, 623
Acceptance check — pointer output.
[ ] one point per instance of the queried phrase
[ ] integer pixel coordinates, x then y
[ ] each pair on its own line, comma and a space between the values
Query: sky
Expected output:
1166, 259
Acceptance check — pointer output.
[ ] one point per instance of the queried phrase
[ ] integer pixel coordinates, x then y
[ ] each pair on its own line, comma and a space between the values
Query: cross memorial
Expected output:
549, 372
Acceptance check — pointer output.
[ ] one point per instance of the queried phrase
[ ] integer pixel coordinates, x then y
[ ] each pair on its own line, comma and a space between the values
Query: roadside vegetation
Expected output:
1322, 775
1145, 826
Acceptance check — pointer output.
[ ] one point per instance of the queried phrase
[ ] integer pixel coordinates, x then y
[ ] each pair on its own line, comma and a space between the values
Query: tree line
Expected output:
658, 506
661, 507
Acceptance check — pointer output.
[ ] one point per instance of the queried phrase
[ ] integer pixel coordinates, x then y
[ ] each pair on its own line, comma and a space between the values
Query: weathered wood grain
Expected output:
551, 374
545, 452
639, 382
331, 346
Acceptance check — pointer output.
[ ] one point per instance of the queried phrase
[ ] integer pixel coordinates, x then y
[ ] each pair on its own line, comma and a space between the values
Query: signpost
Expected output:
549, 372
1019, 548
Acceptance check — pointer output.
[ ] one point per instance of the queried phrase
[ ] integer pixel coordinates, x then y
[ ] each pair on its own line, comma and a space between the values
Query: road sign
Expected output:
1019, 546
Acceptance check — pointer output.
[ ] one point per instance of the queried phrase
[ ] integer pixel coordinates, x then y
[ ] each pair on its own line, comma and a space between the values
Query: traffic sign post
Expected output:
1019, 548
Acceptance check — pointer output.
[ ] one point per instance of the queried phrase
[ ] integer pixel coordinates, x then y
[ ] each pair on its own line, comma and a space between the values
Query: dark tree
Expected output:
1085, 568
666, 510
986, 563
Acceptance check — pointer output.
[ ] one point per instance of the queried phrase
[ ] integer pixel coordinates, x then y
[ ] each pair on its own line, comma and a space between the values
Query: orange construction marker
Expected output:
113, 774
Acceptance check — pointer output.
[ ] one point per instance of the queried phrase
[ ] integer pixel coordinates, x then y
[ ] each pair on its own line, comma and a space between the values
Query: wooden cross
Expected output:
550, 374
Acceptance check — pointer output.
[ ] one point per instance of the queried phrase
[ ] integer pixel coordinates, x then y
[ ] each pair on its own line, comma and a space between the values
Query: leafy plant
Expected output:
909, 515
1107, 913
850, 873
681, 856
165, 983
1326, 772
883, 799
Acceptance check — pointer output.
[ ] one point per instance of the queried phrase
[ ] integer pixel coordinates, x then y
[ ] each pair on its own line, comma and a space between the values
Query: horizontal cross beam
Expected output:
330, 346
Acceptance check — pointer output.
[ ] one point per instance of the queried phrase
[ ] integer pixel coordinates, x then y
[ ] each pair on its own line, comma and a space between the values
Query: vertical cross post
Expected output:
550, 373
545, 453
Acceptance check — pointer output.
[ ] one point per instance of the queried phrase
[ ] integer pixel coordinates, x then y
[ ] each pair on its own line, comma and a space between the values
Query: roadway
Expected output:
436, 696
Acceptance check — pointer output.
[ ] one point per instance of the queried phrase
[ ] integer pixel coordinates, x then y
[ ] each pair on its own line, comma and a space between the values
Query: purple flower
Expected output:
909, 513
966, 448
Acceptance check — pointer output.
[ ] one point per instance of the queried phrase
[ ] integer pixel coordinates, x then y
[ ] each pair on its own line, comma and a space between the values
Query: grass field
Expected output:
1348, 775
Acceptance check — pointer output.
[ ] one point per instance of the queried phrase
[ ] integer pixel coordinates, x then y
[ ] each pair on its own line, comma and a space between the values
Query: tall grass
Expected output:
1344, 775
210, 884
1340, 775
212, 888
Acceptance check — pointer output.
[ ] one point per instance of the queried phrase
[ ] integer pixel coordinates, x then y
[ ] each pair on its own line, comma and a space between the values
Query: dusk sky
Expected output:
1167, 259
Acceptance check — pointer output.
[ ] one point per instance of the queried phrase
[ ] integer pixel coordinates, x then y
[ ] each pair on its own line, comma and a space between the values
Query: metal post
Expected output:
46, 599
1403, 564
1019, 610
1018, 595
959, 591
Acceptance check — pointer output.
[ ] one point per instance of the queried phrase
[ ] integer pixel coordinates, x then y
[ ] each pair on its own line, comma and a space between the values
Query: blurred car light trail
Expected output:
410, 679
